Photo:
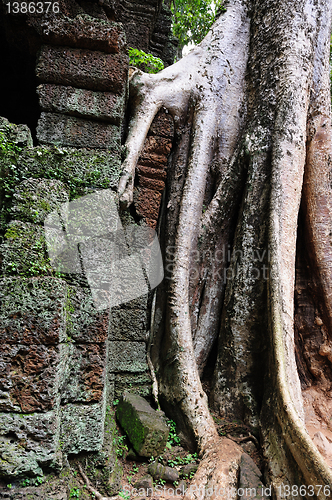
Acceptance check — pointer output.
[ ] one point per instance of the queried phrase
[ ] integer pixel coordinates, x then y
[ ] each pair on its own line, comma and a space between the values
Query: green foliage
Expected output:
37, 481
173, 438
74, 493
124, 495
144, 61
192, 19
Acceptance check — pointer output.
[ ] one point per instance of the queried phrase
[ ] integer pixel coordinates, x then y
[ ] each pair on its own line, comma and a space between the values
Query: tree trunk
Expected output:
251, 107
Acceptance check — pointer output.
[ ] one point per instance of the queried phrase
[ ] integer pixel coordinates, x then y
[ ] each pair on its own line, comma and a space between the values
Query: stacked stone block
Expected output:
83, 74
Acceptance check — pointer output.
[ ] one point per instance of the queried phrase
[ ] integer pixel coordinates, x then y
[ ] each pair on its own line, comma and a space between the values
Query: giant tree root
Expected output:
217, 473
211, 82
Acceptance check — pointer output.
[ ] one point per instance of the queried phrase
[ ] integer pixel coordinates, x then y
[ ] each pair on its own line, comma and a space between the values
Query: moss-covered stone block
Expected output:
138, 383
104, 467
12, 134
34, 199
101, 106
75, 132
145, 428
23, 252
28, 442
127, 357
33, 311
82, 427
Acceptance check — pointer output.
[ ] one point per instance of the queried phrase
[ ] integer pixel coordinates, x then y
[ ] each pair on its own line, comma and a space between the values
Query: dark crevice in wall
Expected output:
19, 100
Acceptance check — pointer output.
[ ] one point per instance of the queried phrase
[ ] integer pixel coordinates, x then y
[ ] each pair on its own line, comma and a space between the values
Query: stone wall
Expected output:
147, 24
62, 362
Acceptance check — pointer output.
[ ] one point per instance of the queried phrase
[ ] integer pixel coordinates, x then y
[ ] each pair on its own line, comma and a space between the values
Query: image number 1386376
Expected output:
33, 7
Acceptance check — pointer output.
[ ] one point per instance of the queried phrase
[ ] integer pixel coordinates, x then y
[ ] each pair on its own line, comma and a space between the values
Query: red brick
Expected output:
148, 203
153, 173
146, 182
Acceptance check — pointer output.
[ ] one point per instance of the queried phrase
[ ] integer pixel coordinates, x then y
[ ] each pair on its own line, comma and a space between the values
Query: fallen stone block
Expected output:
84, 69
145, 482
76, 132
159, 471
102, 106
145, 428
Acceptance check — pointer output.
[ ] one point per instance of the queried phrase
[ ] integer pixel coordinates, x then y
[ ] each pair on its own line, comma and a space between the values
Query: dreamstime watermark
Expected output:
223, 264
85, 236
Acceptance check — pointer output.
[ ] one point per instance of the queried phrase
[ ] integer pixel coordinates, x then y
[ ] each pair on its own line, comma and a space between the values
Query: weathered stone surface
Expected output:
102, 106
162, 125
75, 132
127, 356
145, 428
82, 427
30, 376
27, 442
139, 383
24, 250
33, 311
148, 203
152, 173
128, 324
33, 199
250, 479
85, 376
159, 471
157, 145
86, 324
18, 134
82, 170
85, 69
83, 32
154, 184
144, 482
104, 467
153, 160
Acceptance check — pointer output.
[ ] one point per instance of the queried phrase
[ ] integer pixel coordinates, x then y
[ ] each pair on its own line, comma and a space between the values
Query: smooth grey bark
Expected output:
240, 104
